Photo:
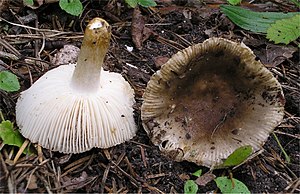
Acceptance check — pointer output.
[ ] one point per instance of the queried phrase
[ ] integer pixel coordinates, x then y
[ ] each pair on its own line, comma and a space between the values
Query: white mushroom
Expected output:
72, 108
210, 99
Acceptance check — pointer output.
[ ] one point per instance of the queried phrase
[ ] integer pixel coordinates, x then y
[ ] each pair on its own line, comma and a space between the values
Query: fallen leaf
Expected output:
277, 54
139, 32
3, 5
32, 182
274, 55
137, 27
147, 32
72, 183
168, 9
68, 54
184, 176
159, 61
205, 178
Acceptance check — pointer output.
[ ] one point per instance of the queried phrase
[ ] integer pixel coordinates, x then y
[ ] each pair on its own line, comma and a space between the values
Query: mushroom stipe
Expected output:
72, 109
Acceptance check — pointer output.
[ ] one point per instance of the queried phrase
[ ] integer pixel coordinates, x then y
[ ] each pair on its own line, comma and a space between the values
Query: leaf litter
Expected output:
125, 171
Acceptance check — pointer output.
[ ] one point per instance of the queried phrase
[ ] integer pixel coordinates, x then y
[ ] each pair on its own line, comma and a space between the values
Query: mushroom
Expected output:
210, 99
72, 109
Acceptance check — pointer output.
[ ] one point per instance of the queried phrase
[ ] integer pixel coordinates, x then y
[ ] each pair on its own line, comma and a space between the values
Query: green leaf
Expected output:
296, 2
10, 136
190, 187
28, 2
234, 2
73, 7
197, 173
147, 3
251, 20
9, 81
238, 156
231, 186
132, 3
285, 30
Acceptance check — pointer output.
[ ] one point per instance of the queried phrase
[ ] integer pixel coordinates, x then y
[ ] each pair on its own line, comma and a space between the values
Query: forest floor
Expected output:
137, 165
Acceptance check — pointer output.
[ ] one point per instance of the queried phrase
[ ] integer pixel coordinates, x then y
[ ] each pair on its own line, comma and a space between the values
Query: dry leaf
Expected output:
72, 183
277, 54
137, 27
159, 61
68, 54
205, 178
32, 182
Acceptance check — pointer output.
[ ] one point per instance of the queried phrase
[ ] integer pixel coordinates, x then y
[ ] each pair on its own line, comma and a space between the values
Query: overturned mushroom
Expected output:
72, 108
208, 100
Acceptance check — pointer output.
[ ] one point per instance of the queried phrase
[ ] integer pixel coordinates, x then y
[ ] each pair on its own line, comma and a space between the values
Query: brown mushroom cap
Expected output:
210, 99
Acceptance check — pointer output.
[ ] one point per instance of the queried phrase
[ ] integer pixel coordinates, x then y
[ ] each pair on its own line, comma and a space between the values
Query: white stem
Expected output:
86, 76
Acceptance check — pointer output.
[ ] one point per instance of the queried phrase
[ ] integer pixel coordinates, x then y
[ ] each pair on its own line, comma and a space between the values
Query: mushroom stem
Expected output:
86, 76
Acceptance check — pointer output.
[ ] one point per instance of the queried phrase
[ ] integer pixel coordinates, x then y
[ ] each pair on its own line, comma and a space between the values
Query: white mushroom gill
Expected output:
72, 108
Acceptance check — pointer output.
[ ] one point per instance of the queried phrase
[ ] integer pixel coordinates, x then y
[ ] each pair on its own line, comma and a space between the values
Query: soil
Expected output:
138, 166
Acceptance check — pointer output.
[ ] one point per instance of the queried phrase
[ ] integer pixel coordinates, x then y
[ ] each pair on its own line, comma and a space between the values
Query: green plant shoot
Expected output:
144, 3
197, 173
296, 2
28, 2
231, 185
234, 2
10, 136
9, 81
73, 7
238, 156
287, 158
190, 187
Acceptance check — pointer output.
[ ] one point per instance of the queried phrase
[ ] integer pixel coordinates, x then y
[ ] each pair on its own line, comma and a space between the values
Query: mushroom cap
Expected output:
210, 99
60, 118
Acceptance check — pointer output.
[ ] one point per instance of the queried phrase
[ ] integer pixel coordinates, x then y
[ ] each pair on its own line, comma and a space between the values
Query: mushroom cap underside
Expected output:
58, 117
210, 99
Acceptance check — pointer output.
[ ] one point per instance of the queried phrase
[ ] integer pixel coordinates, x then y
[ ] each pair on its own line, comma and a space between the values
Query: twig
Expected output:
134, 182
4, 166
10, 48
29, 179
80, 161
143, 156
8, 56
21, 150
105, 174
287, 78
28, 27
287, 134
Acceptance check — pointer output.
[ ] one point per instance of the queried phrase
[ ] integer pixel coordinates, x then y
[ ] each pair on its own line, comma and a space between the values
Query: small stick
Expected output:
22, 148
40, 153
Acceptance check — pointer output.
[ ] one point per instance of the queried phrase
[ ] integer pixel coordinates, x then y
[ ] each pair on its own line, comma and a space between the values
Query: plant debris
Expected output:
137, 166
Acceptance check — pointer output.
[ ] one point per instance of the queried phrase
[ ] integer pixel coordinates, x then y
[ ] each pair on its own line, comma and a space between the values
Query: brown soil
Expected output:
137, 165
